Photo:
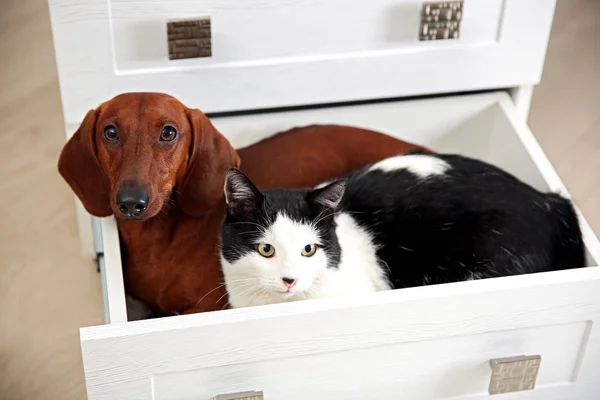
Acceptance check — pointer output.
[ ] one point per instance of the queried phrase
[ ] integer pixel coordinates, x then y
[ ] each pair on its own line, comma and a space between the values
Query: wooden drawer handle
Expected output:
241, 396
514, 374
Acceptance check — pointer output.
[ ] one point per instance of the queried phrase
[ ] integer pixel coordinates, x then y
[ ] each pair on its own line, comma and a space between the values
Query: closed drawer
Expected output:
433, 342
274, 53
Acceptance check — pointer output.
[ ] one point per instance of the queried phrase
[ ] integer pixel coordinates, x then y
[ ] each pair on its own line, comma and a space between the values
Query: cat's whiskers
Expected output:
316, 221
260, 227
256, 296
313, 223
203, 297
268, 222
264, 294
237, 286
386, 266
243, 280
243, 223
245, 292
242, 285
353, 212
221, 284
321, 240
333, 214
309, 292
304, 293
252, 232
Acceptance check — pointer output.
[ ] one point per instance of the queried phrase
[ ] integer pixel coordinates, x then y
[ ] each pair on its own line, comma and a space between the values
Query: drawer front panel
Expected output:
272, 53
272, 32
434, 369
429, 343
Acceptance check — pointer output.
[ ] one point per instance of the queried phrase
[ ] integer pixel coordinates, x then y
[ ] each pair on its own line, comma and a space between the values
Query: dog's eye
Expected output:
266, 250
309, 250
111, 134
168, 134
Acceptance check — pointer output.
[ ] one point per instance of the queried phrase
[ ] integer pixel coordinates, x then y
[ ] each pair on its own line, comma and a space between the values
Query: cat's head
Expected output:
277, 243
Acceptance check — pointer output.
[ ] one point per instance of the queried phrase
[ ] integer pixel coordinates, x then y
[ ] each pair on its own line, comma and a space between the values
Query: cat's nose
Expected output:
289, 282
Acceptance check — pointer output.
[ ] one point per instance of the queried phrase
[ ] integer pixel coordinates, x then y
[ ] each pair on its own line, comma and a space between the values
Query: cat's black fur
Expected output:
474, 221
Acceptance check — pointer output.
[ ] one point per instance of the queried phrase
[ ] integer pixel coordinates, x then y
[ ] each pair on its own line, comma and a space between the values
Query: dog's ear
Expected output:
79, 166
211, 156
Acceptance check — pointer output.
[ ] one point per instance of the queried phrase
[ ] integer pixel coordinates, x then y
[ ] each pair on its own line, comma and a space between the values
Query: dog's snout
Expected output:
132, 201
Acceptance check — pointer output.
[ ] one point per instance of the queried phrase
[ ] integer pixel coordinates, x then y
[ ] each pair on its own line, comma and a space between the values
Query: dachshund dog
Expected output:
160, 167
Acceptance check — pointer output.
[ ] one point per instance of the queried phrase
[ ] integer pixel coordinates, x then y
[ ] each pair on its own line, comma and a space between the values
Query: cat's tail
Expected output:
568, 250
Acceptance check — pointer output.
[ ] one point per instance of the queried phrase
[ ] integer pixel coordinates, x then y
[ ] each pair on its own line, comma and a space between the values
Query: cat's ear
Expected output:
328, 196
241, 195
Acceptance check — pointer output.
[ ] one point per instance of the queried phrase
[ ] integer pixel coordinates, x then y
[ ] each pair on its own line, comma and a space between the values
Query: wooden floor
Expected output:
47, 289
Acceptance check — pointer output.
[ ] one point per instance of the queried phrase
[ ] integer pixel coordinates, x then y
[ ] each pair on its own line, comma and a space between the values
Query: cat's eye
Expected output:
168, 134
266, 250
309, 250
110, 134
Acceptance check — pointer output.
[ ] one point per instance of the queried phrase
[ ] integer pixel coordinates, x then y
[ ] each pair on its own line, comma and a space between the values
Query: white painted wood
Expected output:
265, 32
103, 283
426, 343
423, 121
431, 342
513, 117
450, 366
522, 96
113, 272
84, 227
273, 53
84, 219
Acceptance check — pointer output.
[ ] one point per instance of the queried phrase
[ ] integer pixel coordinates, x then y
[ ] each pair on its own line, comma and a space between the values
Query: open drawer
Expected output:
432, 342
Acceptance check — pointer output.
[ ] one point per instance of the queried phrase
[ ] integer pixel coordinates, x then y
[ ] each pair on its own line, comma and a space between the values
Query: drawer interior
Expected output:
483, 126
441, 338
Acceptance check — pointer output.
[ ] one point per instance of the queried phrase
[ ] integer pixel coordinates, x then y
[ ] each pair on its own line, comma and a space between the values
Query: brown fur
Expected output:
305, 157
171, 253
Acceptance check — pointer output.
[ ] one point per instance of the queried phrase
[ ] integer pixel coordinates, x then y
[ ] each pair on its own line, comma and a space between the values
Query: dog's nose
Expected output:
289, 282
132, 201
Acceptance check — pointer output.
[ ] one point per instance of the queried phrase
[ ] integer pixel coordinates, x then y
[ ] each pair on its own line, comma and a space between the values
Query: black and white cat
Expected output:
406, 221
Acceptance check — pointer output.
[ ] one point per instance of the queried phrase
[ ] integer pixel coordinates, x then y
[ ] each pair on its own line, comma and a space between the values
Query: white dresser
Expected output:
356, 63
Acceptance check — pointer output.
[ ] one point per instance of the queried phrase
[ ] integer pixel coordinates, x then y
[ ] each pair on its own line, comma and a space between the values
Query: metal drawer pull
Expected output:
189, 38
514, 374
441, 20
241, 396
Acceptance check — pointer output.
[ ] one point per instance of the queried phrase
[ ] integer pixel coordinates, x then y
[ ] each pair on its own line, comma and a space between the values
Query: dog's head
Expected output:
137, 150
